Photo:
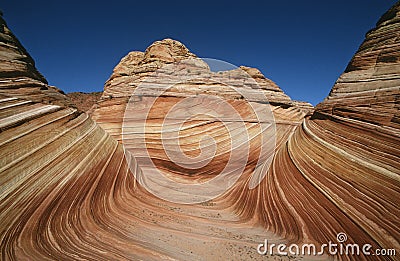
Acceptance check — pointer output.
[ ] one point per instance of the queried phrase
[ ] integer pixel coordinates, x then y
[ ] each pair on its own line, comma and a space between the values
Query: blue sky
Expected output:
301, 45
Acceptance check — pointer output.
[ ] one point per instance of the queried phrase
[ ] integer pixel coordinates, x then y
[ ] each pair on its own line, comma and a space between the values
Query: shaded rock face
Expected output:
18, 73
369, 89
15, 61
67, 191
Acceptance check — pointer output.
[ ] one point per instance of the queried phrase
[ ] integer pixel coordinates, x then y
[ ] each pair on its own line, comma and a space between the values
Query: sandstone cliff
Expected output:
19, 77
369, 89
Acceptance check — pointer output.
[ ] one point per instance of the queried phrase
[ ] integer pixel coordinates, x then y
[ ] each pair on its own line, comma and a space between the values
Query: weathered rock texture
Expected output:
368, 90
138, 67
84, 101
19, 76
67, 192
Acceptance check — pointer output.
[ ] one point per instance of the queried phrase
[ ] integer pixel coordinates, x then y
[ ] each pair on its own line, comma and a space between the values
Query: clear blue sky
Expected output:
301, 45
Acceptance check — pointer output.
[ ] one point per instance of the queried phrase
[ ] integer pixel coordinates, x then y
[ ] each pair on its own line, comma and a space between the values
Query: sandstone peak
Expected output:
167, 50
139, 67
16, 61
368, 90
19, 76
137, 63
391, 16
261, 80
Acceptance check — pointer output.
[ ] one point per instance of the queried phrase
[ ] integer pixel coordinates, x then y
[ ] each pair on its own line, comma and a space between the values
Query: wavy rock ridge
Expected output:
68, 193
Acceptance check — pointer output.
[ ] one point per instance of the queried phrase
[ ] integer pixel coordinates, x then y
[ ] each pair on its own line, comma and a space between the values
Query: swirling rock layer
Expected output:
339, 171
67, 192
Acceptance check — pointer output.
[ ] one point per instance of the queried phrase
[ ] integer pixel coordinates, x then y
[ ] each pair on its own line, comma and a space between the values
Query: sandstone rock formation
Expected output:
67, 191
347, 153
84, 101
368, 90
19, 77
137, 67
